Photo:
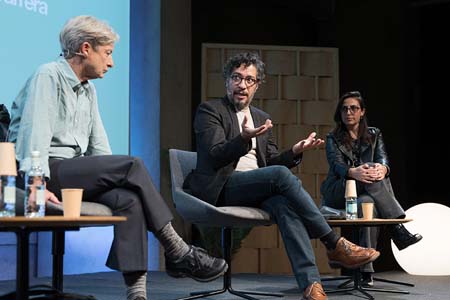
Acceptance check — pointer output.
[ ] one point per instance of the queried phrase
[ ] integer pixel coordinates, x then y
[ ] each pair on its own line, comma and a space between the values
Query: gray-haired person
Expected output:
56, 113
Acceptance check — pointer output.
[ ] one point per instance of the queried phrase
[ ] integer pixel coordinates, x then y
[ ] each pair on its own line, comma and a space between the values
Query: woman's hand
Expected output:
380, 171
366, 173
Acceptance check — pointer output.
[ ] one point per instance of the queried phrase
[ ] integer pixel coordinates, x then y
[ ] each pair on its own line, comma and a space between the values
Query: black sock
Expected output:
330, 240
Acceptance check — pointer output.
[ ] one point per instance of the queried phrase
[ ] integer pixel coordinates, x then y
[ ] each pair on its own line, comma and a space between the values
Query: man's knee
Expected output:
130, 161
121, 200
137, 165
283, 177
137, 160
281, 173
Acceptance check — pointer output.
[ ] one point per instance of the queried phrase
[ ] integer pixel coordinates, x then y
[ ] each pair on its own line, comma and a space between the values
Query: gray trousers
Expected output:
385, 206
123, 184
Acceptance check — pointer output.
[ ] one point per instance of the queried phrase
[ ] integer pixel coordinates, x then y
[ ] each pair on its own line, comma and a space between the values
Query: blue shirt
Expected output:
58, 116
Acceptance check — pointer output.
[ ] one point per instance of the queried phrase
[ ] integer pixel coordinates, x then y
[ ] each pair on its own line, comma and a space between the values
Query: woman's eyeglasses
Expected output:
353, 109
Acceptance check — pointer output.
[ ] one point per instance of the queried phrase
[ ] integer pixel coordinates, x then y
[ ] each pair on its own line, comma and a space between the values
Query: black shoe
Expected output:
366, 279
402, 238
198, 265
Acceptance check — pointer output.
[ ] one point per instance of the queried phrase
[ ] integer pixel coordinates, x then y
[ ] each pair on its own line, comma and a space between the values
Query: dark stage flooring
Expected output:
109, 286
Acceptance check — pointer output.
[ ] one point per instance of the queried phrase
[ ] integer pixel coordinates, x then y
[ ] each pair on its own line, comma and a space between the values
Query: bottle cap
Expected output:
350, 189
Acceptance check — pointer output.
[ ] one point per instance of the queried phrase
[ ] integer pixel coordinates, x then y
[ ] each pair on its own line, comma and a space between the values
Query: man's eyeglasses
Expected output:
353, 109
249, 80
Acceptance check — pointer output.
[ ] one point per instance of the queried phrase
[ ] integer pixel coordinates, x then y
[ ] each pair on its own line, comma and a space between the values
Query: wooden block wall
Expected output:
300, 93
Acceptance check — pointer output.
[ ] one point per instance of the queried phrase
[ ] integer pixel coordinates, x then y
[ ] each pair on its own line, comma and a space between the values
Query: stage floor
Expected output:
110, 286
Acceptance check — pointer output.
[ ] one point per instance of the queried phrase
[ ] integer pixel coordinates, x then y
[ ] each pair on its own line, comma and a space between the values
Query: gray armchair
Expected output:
87, 209
196, 211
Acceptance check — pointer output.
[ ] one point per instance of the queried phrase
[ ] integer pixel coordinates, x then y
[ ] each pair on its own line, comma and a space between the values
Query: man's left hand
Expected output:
309, 143
49, 196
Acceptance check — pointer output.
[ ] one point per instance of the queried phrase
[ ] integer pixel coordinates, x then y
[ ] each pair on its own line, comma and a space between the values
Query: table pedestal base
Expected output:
355, 226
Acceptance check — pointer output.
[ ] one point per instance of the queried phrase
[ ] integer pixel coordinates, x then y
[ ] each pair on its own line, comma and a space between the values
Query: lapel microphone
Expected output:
80, 54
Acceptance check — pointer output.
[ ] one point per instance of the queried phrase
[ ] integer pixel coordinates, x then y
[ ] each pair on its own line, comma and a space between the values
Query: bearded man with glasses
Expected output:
238, 164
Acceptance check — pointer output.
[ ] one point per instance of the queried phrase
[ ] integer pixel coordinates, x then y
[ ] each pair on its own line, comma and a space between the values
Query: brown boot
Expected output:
350, 256
314, 292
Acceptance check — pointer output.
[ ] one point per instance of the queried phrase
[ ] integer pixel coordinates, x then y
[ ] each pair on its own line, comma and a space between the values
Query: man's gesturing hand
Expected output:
249, 133
306, 144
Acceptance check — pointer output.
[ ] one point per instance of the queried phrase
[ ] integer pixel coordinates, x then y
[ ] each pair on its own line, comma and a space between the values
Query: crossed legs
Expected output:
278, 191
123, 184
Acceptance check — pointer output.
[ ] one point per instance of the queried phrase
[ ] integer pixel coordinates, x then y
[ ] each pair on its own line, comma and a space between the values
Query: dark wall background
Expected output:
391, 51
428, 95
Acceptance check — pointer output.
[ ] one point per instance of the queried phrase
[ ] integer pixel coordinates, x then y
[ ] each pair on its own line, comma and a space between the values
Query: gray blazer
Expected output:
220, 145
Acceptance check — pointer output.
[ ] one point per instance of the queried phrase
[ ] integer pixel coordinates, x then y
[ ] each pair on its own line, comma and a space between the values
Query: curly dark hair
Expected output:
246, 59
340, 131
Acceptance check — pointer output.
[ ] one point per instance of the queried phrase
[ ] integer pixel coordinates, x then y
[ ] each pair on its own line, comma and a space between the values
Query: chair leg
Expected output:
393, 281
389, 290
226, 248
346, 283
344, 287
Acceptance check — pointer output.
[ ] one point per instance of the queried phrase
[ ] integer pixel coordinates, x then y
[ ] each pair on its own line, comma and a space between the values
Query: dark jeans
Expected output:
279, 192
123, 184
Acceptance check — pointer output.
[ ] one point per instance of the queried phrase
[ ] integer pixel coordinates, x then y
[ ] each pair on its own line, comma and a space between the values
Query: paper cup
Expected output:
71, 199
350, 189
7, 159
367, 210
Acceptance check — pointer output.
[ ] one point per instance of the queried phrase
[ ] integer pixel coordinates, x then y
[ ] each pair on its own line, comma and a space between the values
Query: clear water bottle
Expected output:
8, 196
351, 208
35, 188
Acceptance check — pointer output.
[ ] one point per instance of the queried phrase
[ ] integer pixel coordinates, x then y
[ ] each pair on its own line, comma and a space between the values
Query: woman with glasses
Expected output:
357, 151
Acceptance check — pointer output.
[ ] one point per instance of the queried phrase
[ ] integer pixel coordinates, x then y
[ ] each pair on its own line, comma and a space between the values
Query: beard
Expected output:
239, 105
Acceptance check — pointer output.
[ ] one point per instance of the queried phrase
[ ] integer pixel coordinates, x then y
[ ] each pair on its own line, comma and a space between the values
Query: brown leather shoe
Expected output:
350, 256
314, 292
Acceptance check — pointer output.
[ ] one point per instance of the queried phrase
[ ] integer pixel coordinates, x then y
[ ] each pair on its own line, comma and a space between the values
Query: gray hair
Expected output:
82, 29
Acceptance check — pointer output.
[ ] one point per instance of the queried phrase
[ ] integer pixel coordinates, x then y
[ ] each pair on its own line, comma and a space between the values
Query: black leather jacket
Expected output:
340, 159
